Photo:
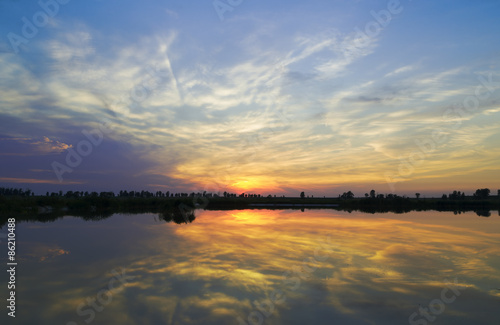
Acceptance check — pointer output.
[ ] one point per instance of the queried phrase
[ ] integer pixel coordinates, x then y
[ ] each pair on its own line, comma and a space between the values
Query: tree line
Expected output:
455, 195
15, 192
482, 193
122, 193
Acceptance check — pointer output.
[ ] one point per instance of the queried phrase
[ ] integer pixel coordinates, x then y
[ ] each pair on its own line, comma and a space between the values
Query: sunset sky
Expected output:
268, 97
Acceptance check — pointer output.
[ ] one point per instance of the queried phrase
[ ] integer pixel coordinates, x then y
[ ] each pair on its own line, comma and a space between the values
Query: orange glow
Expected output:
243, 185
224, 261
254, 185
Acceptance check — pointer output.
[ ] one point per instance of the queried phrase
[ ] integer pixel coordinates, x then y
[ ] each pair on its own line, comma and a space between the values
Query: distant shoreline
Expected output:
47, 207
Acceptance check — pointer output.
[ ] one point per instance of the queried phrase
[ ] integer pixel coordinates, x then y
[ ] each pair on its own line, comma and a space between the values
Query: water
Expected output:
259, 267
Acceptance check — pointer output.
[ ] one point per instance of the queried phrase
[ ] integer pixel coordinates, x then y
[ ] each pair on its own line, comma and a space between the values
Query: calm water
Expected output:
259, 266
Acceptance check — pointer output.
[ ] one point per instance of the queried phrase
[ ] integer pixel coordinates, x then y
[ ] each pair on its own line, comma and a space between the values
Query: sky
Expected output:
266, 97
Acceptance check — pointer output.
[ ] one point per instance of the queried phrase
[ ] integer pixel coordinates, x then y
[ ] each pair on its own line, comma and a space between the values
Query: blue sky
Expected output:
277, 97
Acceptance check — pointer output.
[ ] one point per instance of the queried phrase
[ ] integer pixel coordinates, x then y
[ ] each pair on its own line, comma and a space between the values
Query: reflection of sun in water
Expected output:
250, 217
242, 216
339, 258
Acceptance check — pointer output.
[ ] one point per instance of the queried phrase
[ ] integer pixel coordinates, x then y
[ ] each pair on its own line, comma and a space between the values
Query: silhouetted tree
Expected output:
456, 195
14, 192
482, 193
302, 195
347, 195
417, 195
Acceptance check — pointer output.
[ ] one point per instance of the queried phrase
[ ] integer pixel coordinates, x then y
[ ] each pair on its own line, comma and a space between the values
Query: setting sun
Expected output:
254, 185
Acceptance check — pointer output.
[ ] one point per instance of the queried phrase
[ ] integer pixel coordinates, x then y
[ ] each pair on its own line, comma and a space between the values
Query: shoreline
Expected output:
44, 208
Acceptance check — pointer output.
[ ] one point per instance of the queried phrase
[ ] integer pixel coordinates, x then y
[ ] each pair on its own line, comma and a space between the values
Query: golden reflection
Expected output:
241, 256
313, 266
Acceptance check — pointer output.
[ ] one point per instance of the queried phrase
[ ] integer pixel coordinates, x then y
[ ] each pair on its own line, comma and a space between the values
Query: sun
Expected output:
242, 185
257, 185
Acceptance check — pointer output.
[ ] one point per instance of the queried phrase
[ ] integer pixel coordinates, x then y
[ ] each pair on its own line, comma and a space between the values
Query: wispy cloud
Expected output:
278, 102
40, 146
35, 181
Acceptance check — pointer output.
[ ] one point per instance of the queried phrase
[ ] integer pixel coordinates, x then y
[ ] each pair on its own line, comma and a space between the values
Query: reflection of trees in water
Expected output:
178, 214
483, 213
54, 216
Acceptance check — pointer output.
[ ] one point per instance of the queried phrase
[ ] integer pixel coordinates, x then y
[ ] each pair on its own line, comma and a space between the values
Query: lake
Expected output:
259, 267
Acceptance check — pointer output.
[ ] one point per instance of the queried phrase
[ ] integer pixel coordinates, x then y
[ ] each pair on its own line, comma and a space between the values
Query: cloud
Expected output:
310, 106
50, 146
172, 13
39, 146
36, 181
348, 49
404, 69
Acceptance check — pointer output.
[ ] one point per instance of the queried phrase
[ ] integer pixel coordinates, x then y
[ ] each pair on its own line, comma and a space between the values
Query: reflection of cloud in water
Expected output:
379, 269
226, 260
42, 252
